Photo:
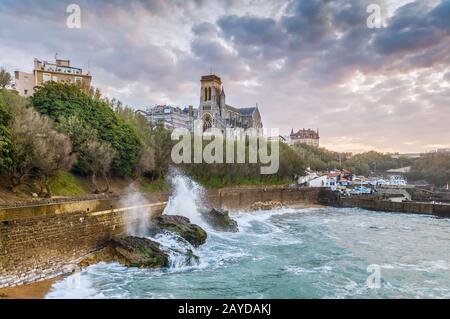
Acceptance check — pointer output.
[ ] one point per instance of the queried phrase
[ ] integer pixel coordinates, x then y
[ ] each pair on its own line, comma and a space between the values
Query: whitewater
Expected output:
284, 253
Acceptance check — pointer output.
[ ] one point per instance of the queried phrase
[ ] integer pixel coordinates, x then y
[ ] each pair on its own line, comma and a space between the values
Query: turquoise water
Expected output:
292, 253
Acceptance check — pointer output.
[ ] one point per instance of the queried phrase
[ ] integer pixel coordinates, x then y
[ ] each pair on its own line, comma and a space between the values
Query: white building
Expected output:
323, 181
304, 136
170, 116
24, 83
58, 71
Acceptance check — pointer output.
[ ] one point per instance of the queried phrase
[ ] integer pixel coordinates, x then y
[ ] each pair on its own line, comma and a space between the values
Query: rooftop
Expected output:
246, 111
308, 133
211, 77
60, 66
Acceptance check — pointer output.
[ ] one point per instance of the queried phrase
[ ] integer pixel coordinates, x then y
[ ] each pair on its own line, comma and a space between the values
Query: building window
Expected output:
25, 92
46, 77
209, 93
206, 94
207, 121
78, 80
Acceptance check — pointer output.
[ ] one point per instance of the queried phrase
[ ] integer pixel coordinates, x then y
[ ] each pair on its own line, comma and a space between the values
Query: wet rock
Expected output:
220, 220
191, 258
70, 268
102, 255
181, 226
133, 251
266, 205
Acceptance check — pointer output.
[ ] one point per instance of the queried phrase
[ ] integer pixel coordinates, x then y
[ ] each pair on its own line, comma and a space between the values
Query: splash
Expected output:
187, 198
137, 220
177, 249
76, 286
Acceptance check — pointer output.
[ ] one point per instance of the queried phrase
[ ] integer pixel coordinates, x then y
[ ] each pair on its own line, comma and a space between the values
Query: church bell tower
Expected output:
210, 99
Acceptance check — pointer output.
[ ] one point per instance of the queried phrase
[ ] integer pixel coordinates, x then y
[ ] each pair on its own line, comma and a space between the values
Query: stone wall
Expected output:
409, 207
43, 241
39, 242
243, 198
50, 242
422, 194
57, 200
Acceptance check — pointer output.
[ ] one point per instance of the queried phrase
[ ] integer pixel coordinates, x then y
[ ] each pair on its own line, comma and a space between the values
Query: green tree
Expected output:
5, 78
161, 145
94, 157
219, 175
6, 150
99, 157
143, 130
52, 152
39, 151
432, 167
60, 100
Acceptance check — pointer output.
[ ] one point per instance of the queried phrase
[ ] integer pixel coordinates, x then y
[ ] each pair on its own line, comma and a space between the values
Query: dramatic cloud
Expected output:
311, 63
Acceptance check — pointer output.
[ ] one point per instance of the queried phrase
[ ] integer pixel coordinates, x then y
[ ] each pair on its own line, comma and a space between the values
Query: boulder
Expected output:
266, 205
220, 220
102, 255
191, 258
181, 226
137, 252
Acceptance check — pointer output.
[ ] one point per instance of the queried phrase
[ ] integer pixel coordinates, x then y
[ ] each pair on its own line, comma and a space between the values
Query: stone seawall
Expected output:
243, 198
411, 207
50, 244
44, 241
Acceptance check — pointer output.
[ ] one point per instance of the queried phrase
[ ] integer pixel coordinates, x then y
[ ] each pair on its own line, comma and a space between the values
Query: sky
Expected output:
306, 64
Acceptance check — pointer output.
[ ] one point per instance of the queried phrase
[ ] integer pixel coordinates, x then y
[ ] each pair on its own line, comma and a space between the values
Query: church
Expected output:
215, 113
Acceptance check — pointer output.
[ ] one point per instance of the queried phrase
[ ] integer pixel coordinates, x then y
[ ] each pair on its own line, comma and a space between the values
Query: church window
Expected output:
209, 92
207, 121
206, 94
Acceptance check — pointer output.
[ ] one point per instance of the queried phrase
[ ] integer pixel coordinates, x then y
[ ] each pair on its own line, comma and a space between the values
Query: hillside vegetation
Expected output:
321, 159
67, 141
433, 168
65, 134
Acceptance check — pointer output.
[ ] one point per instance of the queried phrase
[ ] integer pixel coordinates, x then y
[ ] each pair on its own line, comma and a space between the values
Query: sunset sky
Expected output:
308, 64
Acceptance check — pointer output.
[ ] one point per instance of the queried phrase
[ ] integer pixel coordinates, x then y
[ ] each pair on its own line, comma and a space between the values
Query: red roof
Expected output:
305, 134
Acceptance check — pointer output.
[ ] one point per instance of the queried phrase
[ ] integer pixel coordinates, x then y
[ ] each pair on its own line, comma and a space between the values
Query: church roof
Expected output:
246, 111
211, 77
305, 134
232, 108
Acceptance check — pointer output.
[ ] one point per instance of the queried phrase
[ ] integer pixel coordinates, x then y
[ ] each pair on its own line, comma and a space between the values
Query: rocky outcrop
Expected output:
103, 255
133, 251
191, 258
181, 226
220, 220
137, 252
266, 205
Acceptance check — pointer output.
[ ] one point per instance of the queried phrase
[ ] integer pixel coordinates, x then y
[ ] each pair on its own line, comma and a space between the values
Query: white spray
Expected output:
137, 220
187, 197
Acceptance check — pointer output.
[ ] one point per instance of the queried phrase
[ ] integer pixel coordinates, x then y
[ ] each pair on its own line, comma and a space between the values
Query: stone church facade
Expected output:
215, 113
